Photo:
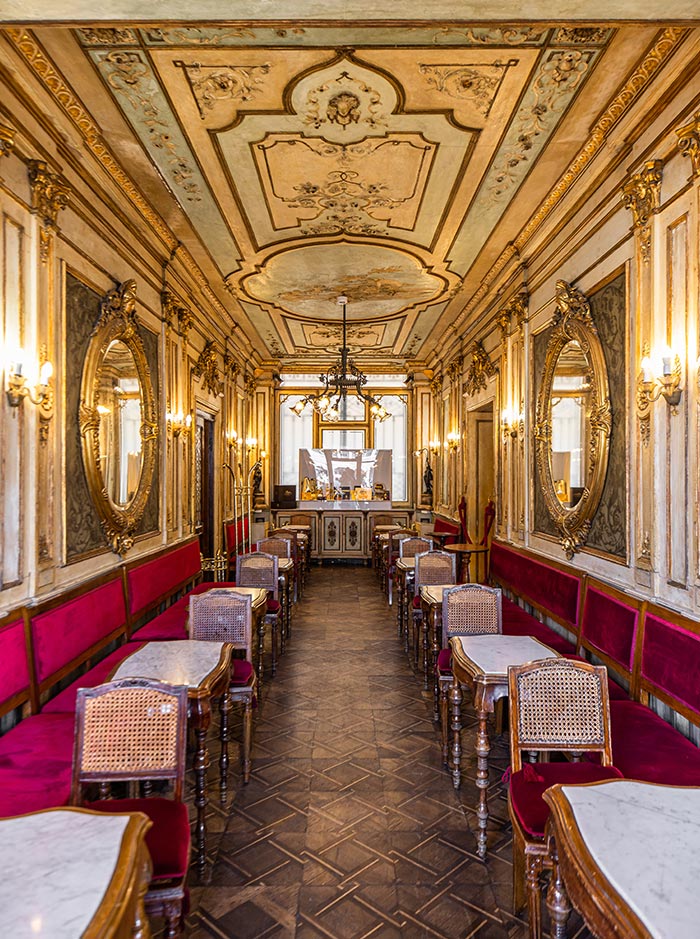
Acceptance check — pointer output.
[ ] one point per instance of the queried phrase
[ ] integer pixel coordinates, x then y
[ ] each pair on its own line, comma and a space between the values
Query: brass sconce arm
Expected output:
651, 387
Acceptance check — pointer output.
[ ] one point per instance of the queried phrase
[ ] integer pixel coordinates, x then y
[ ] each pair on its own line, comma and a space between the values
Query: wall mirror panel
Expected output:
118, 420
574, 420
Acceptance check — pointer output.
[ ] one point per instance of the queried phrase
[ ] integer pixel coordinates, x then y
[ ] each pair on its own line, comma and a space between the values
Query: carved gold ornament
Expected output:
481, 369
574, 339
641, 192
689, 142
102, 399
207, 369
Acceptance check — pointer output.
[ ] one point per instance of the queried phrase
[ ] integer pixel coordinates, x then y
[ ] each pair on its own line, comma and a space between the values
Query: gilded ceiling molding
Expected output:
689, 142
7, 140
641, 195
508, 254
54, 83
206, 368
481, 369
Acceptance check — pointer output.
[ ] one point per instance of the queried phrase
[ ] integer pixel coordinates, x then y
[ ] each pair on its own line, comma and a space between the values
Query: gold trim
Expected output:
572, 322
7, 140
207, 368
117, 321
642, 191
480, 370
689, 142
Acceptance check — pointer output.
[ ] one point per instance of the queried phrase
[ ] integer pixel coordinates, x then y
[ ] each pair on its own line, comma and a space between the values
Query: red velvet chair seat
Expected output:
528, 785
65, 701
168, 841
646, 747
273, 606
444, 662
242, 672
41, 744
184, 602
21, 793
416, 602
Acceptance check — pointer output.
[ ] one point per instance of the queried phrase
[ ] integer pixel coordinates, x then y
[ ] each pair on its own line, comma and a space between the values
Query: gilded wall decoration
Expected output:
342, 100
478, 84
206, 369
585, 35
107, 36
481, 368
508, 35
641, 192
7, 140
689, 142
50, 193
232, 367
213, 84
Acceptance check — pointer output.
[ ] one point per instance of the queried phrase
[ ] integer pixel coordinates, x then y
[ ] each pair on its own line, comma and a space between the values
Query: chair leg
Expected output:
518, 871
274, 627
173, 919
444, 721
247, 738
534, 898
224, 710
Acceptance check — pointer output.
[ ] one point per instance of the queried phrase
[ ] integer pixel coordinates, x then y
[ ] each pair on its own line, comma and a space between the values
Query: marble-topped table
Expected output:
628, 854
204, 668
71, 872
431, 602
482, 663
464, 555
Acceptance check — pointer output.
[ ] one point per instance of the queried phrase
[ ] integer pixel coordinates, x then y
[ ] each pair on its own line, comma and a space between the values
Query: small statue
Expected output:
257, 482
428, 478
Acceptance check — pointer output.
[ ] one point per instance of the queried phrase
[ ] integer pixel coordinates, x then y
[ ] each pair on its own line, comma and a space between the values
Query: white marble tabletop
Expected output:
645, 840
406, 564
301, 528
57, 868
433, 593
176, 662
491, 655
285, 564
258, 595
385, 529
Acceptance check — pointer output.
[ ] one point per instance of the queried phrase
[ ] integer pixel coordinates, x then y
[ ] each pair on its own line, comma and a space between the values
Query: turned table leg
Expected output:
456, 727
483, 748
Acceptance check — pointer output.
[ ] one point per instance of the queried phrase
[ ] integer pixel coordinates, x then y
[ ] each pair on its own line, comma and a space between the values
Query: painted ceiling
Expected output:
391, 164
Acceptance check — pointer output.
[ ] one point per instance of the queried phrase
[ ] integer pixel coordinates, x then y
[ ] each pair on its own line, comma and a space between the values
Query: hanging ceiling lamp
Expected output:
340, 378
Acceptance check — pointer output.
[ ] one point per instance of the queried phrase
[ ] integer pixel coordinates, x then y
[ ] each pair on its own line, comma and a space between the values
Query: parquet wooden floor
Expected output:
350, 827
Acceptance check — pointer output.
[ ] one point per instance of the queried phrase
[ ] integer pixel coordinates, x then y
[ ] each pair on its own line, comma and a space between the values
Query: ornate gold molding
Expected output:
572, 322
251, 383
206, 368
117, 323
49, 193
689, 142
232, 366
642, 191
185, 321
454, 369
436, 386
503, 320
519, 307
7, 140
480, 369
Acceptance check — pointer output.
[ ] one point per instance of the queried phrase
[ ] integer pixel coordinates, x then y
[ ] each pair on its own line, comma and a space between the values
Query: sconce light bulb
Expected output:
647, 370
188, 420
45, 373
667, 358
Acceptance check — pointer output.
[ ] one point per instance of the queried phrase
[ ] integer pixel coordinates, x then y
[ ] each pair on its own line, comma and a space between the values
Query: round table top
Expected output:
466, 548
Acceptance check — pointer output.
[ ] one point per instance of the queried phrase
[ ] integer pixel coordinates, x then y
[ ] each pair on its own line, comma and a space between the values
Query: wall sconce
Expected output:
653, 382
250, 444
452, 442
434, 447
177, 423
19, 386
510, 424
233, 441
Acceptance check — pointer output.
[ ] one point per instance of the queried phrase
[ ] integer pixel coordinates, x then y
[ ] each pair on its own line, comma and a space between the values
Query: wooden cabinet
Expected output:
342, 533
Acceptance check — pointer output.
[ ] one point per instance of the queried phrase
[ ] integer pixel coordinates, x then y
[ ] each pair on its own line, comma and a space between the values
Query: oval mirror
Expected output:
118, 419
573, 421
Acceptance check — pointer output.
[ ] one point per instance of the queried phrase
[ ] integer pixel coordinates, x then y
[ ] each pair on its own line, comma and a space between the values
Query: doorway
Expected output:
204, 483
480, 431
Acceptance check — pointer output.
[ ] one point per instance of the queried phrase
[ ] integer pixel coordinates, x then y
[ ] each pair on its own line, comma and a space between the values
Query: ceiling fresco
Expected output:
389, 164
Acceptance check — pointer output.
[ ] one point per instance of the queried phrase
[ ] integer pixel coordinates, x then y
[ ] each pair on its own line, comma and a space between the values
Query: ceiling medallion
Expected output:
340, 378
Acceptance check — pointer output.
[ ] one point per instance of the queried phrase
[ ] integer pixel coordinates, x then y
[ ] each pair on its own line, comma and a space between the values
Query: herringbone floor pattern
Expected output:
350, 827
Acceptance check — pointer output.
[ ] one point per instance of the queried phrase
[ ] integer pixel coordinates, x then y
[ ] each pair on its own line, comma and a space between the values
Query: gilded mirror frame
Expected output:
117, 322
572, 322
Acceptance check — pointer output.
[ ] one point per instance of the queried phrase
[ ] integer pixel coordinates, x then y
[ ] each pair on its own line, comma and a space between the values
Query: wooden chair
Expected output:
374, 539
556, 705
432, 568
300, 518
281, 548
260, 570
408, 548
389, 557
135, 731
227, 616
295, 554
467, 610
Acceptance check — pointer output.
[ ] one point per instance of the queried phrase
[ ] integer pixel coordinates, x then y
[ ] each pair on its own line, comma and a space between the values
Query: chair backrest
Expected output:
396, 536
471, 610
560, 705
381, 520
489, 516
434, 567
223, 616
281, 547
131, 729
410, 547
258, 570
290, 536
301, 520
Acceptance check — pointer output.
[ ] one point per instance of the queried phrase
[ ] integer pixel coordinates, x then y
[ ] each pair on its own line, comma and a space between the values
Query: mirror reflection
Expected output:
570, 407
120, 409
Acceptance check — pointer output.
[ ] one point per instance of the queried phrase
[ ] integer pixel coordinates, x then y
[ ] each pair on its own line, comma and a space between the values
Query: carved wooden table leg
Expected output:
224, 710
399, 605
261, 649
202, 719
436, 626
426, 652
456, 727
558, 904
247, 737
483, 747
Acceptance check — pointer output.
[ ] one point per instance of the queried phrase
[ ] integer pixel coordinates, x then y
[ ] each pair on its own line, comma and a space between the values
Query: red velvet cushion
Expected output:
526, 789
273, 606
40, 745
526, 625
615, 691
548, 587
645, 747
444, 662
416, 602
21, 793
170, 624
671, 660
97, 675
242, 672
14, 669
184, 602
610, 626
61, 635
162, 576
168, 841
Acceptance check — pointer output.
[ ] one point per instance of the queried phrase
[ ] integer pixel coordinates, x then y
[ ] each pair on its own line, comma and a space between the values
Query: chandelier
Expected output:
340, 378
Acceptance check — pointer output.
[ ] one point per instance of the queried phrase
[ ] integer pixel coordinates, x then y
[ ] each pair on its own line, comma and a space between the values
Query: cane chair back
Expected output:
281, 547
389, 559
435, 568
134, 730
471, 610
223, 616
258, 570
381, 520
410, 547
395, 537
301, 519
559, 705
295, 554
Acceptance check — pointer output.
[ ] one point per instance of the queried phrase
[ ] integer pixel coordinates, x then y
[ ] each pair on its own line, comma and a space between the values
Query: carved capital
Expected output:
641, 192
503, 320
7, 140
185, 321
49, 193
169, 307
232, 366
519, 307
436, 386
251, 383
480, 369
206, 368
689, 142
454, 369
